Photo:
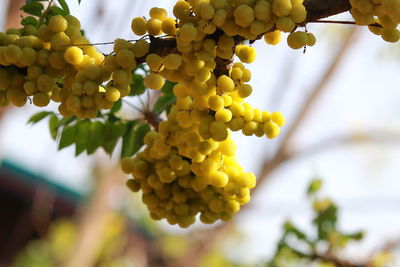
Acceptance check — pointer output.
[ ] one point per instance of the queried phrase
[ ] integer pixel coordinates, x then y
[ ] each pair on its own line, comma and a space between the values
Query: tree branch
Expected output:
318, 9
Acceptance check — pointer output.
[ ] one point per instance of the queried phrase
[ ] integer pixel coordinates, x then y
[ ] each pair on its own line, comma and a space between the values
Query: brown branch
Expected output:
318, 9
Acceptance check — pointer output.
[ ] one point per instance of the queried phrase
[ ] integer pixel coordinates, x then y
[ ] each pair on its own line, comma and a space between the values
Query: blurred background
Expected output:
341, 101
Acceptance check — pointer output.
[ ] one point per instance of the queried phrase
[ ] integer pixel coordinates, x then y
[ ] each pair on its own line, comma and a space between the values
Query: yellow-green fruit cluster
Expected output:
385, 13
192, 153
178, 188
297, 40
37, 61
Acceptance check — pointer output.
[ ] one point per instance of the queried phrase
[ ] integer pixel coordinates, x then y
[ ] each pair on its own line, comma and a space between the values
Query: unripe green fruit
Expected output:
297, 40
73, 103
41, 99
13, 53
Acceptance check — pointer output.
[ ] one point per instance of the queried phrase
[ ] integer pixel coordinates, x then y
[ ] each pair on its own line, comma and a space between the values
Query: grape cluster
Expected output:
381, 16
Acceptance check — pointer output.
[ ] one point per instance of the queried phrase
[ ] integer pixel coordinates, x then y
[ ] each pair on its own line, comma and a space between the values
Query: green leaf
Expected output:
67, 121
111, 137
164, 102
29, 20
82, 137
55, 10
96, 136
38, 117
128, 141
117, 106
33, 8
168, 87
314, 187
68, 136
54, 123
64, 6
137, 85
139, 132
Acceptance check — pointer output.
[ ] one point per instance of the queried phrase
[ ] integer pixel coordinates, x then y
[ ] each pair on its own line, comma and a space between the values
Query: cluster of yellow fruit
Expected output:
189, 164
386, 13
55, 62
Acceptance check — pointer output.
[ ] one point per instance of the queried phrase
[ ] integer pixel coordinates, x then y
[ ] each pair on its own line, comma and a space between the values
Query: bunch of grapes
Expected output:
381, 16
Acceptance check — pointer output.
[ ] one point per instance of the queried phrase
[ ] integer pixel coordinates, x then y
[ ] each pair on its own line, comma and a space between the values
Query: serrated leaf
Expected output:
33, 8
163, 103
38, 117
137, 85
139, 132
64, 6
53, 126
96, 136
68, 135
82, 137
116, 106
29, 20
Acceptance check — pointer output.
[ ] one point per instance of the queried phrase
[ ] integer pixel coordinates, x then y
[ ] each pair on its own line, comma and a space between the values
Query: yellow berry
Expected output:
73, 55
154, 81
273, 38
58, 23
138, 26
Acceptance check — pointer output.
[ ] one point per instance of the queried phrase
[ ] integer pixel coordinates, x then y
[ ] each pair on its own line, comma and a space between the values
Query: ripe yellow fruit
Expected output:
57, 24
281, 8
225, 83
126, 59
263, 11
246, 54
168, 26
244, 15
285, 24
73, 55
112, 94
158, 13
154, 81
153, 27
140, 48
138, 26
172, 61
273, 38
155, 62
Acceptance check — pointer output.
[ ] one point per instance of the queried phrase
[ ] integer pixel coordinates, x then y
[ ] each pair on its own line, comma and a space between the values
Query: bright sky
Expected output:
363, 97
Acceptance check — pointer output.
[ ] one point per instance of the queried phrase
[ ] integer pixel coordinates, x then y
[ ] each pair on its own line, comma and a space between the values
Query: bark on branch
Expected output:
319, 9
